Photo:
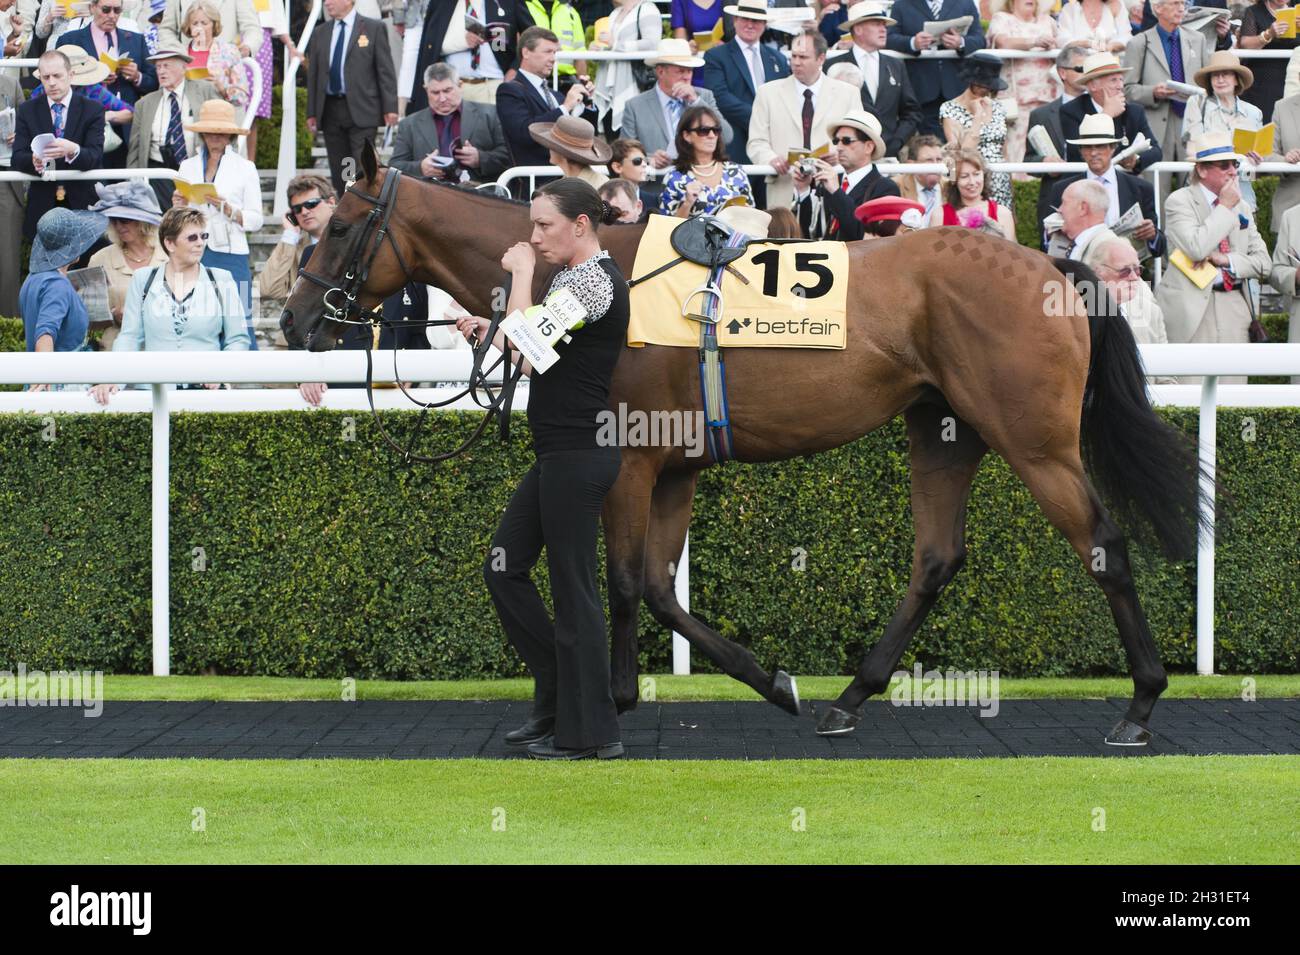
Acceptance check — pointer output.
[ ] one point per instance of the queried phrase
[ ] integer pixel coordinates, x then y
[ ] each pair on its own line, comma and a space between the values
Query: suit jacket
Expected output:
197, 92
934, 80
1282, 275
726, 74
127, 42
84, 125
1062, 245
895, 105
506, 19
643, 119
1047, 116
1133, 121
1286, 114
1132, 189
368, 74
519, 104
1192, 226
838, 206
417, 136
776, 126
1149, 67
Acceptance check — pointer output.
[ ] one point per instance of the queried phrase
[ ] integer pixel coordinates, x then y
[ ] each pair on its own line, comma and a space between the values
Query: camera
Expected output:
807, 167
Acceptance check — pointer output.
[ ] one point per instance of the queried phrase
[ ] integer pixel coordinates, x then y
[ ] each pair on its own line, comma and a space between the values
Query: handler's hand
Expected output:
472, 326
102, 393
312, 392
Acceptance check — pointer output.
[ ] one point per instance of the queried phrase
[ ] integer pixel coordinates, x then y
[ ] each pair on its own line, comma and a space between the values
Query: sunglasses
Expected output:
705, 130
637, 161
110, 9
845, 141
297, 207
1128, 271
196, 236
1222, 164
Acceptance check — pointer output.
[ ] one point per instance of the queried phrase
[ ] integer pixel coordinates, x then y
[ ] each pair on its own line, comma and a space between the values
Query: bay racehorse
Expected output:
979, 343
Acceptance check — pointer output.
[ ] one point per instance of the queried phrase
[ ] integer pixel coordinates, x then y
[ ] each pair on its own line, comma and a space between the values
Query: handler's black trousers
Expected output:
557, 505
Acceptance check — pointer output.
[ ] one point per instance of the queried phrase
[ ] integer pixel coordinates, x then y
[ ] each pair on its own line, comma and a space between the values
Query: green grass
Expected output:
1161, 809
667, 688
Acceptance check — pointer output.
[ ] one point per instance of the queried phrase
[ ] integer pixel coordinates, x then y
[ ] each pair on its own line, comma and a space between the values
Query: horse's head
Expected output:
348, 269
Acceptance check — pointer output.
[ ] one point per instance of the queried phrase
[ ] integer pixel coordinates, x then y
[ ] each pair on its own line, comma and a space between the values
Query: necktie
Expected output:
1176, 70
807, 119
928, 197
336, 62
58, 120
935, 7
1224, 247
675, 108
175, 135
844, 185
755, 66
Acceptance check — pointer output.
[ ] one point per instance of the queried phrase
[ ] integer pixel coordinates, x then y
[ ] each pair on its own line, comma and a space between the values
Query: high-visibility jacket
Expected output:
564, 22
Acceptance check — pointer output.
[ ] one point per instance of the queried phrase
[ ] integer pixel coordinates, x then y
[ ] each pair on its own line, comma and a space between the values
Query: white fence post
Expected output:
682, 587
1208, 439
162, 640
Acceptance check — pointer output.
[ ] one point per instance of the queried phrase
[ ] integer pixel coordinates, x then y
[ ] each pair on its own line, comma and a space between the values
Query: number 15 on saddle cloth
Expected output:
796, 296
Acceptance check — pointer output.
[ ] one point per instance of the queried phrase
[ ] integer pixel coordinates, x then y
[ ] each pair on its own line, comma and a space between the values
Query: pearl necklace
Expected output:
699, 170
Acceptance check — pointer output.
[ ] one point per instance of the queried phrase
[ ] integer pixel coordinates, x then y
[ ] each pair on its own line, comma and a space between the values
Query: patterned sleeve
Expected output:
673, 194
592, 286
740, 184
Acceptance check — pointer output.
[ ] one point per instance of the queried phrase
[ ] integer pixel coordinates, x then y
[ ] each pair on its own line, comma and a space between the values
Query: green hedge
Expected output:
324, 557
268, 133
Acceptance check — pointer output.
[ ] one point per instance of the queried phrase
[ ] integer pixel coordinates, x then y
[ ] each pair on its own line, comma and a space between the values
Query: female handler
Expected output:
558, 502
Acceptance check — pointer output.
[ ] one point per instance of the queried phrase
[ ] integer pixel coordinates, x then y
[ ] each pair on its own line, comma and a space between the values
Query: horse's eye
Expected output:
338, 231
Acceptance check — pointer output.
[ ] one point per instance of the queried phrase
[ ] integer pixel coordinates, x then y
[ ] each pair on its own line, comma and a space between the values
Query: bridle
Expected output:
341, 306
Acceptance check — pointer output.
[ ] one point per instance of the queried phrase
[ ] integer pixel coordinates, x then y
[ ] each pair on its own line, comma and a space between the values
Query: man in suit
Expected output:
1286, 114
886, 89
652, 116
1103, 79
77, 124
528, 98
11, 205
936, 80
133, 80
1154, 58
1097, 142
351, 85
1286, 256
162, 119
792, 114
734, 71
469, 133
1048, 116
1209, 222
925, 188
1083, 221
825, 201
483, 61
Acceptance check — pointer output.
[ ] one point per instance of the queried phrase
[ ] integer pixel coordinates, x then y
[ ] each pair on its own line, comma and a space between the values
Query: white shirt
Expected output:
869, 64
1110, 182
930, 198
158, 135
1082, 239
799, 97
546, 93
238, 182
349, 22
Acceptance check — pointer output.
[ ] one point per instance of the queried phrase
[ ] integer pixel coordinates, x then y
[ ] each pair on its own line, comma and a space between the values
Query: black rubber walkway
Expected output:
458, 729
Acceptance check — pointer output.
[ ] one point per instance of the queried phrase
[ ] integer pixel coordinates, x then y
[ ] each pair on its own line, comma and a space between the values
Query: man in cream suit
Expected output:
1210, 223
1286, 114
1286, 256
793, 113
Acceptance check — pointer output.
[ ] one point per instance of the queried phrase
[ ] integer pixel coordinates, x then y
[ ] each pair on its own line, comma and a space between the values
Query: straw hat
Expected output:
1097, 129
572, 137
1223, 61
745, 218
864, 11
1099, 65
216, 116
63, 236
674, 52
128, 199
85, 70
864, 122
748, 9
1213, 147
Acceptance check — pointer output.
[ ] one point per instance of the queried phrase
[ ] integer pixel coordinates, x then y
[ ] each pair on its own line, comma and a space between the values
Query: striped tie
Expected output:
175, 136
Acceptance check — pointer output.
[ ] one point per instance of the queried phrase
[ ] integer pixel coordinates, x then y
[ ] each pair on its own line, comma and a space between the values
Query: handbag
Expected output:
1256, 333
642, 75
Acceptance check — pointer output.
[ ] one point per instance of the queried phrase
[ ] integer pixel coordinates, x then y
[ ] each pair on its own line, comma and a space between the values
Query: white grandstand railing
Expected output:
287, 161
160, 368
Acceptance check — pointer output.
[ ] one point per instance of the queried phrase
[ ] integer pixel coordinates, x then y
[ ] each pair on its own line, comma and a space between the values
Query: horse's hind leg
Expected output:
945, 454
671, 515
626, 518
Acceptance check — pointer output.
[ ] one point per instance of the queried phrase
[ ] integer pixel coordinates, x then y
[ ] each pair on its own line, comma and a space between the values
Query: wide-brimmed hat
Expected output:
85, 71
216, 116
1213, 147
1098, 65
982, 69
128, 199
745, 218
864, 122
886, 209
864, 11
748, 9
168, 53
572, 137
674, 51
63, 236
1097, 129
156, 7
1223, 61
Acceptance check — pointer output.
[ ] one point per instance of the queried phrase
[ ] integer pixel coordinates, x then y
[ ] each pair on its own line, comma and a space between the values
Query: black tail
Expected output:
1146, 469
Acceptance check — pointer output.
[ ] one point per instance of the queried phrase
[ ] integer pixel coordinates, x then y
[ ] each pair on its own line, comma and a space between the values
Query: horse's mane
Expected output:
489, 196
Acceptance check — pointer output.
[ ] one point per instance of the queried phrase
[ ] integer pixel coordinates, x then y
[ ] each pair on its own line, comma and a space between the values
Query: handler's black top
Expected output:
563, 403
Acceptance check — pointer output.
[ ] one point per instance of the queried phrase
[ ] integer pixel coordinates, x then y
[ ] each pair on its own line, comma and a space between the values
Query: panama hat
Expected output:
1213, 147
745, 218
864, 122
1098, 65
85, 70
982, 69
167, 53
674, 51
216, 116
63, 236
128, 199
1223, 61
864, 11
1097, 129
572, 137
747, 9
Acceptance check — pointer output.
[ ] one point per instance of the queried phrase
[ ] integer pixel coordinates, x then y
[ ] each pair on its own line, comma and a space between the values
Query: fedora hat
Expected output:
863, 122
128, 199
674, 51
1097, 129
1223, 61
865, 10
1213, 147
573, 138
85, 70
216, 116
168, 53
1098, 65
982, 69
63, 236
745, 218
748, 9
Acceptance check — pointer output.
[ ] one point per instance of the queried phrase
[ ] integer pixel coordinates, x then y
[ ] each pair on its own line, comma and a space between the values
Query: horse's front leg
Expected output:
626, 517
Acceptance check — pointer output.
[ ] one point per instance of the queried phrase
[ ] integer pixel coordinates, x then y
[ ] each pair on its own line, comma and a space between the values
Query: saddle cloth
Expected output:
808, 309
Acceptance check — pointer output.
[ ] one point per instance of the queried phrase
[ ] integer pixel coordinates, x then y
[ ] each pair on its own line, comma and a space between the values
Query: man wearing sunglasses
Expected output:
311, 203
825, 202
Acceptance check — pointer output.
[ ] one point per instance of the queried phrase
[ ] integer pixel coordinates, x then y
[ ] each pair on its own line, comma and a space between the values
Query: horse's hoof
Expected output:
1128, 734
837, 722
625, 706
784, 693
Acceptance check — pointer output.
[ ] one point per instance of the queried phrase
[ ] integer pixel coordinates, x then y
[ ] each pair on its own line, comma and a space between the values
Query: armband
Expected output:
536, 329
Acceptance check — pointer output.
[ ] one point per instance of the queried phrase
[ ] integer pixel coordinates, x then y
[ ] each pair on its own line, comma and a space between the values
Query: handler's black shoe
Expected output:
547, 749
531, 732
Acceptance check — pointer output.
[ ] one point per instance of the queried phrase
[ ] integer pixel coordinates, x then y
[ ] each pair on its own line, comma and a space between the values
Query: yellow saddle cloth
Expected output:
796, 296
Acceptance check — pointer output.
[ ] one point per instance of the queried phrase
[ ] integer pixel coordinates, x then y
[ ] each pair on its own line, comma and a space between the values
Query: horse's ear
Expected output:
369, 161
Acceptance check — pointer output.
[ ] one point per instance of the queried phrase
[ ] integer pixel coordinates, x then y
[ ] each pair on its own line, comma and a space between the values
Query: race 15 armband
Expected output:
535, 330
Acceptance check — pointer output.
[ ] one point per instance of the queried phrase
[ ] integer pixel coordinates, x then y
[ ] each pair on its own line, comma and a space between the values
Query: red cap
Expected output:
885, 209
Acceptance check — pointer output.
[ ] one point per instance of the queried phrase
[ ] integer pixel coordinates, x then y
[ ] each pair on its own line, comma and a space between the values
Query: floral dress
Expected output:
226, 72
711, 199
992, 144
1031, 82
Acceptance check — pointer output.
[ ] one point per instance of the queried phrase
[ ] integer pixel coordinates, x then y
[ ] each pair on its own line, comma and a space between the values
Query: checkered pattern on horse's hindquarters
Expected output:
1016, 261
